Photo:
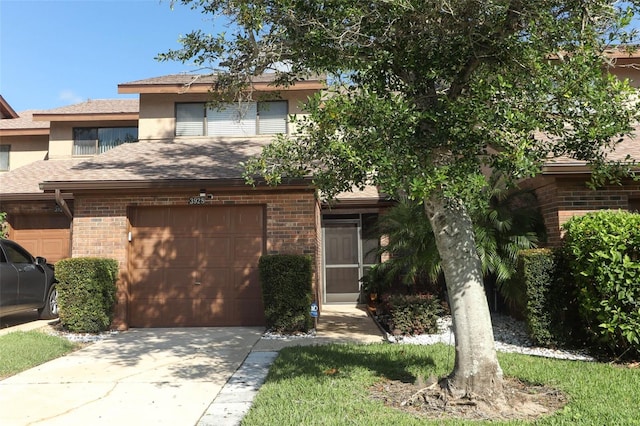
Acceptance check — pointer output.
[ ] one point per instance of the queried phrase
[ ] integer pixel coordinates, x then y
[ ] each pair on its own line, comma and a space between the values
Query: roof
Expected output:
120, 109
23, 124
628, 146
202, 83
26, 179
5, 109
158, 163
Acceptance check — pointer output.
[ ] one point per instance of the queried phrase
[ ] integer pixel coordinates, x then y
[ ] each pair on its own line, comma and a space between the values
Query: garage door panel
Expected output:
248, 218
46, 235
183, 219
248, 248
217, 220
205, 261
215, 282
217, 251
246, 282
181, 252
160, 312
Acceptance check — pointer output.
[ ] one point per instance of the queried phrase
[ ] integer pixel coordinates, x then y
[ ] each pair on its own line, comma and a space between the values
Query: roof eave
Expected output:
126, 88
25, 132
33, 196
230, 184
122, 116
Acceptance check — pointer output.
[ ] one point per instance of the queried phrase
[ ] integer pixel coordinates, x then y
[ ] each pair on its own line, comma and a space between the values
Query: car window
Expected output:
17, 255
3, 259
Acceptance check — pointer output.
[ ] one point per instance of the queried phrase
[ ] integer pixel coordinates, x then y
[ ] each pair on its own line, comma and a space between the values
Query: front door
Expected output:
349, 251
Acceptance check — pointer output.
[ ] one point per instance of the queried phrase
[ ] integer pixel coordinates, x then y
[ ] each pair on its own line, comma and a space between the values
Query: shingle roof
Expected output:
24, 121
193, 159
26, 179
97, 106
630, 145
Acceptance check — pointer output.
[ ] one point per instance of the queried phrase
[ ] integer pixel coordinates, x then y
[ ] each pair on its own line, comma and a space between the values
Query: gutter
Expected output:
63, 205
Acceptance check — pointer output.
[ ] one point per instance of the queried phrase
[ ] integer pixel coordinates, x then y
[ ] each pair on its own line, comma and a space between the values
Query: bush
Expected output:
287, 292
603, 254
86, 293
410, 314
549, 304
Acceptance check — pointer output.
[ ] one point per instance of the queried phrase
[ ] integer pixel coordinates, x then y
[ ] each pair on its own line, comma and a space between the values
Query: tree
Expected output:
422, 96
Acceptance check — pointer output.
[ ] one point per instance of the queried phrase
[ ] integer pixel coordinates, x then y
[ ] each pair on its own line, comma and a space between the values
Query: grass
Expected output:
22, 350
328, 385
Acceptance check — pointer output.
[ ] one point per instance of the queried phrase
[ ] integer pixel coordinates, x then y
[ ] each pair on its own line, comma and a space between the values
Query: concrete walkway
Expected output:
186, 376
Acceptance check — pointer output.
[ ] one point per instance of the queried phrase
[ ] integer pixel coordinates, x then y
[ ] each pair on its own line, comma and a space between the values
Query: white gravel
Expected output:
509, 334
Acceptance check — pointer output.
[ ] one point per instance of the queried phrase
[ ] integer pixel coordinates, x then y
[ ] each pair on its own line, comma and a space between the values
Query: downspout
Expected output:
63, 205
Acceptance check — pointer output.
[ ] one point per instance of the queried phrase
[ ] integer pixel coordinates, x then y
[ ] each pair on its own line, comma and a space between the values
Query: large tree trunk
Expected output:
476, 371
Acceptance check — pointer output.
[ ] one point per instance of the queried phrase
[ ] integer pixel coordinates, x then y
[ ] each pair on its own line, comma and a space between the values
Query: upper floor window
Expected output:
96, 140
4, 157
246, 119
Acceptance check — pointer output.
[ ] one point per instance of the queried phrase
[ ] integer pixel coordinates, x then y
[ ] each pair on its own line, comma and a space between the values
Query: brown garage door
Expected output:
196, 266
43, 235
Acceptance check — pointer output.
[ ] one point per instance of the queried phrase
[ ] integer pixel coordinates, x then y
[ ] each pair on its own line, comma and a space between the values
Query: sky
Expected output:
55, 53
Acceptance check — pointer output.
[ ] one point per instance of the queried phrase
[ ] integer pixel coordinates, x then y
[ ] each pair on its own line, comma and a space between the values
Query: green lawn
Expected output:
21, 350
328, 385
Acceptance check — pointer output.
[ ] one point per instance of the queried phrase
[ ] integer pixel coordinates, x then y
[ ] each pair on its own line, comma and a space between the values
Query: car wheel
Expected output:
50, 309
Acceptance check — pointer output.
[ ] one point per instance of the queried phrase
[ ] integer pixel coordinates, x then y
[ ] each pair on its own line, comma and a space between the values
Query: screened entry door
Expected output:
348, 254
342, 269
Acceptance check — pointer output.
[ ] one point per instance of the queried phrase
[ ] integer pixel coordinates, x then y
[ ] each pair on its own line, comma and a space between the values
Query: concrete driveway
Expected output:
140, 377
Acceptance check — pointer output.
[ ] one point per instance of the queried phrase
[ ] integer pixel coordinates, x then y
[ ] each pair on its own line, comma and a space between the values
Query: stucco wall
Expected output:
25, 149
157, 111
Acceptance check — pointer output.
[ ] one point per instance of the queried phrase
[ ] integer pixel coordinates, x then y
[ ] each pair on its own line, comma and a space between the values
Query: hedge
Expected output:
86, 293
603, 254
287, 292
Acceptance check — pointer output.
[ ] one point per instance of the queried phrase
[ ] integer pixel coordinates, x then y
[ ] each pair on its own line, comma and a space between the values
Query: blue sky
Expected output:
60, 52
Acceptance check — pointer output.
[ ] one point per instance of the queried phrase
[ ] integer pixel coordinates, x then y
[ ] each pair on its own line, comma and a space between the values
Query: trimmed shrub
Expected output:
410, 314
287, 292
86, 293
550, 304
603, 253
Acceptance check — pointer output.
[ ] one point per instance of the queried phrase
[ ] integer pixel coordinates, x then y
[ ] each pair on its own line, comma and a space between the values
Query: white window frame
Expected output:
232, 120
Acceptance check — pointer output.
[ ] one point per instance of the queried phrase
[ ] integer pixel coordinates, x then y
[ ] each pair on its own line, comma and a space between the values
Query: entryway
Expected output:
349, 250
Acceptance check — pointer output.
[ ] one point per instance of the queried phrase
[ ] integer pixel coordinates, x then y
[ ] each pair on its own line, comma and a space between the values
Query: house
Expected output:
166, 198
156, 183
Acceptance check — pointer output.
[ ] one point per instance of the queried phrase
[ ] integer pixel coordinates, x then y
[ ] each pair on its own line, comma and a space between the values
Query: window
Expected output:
96, 140
249, 119
4, 157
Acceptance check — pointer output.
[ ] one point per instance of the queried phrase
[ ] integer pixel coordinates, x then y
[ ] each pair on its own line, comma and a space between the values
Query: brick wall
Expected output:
101, 225
562, 198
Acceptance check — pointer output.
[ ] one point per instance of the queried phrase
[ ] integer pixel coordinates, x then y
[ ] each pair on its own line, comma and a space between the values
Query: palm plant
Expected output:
506, 223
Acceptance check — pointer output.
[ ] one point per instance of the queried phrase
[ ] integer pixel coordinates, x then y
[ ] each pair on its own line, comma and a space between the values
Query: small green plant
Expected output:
550, 304
287, 292
3, 225
603, 253
86, 293
410, 314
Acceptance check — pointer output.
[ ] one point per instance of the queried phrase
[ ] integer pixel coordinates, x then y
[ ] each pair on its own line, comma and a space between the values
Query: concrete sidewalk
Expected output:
337, 324
183, 376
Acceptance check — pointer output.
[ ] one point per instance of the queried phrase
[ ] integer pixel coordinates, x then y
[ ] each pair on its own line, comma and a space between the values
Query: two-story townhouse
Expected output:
173, 207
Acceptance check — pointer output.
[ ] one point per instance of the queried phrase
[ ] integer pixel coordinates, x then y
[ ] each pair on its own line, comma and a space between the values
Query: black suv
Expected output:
26, 282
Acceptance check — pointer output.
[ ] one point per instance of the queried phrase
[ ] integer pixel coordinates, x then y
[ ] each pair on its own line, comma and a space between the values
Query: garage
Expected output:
46, 235
195, 266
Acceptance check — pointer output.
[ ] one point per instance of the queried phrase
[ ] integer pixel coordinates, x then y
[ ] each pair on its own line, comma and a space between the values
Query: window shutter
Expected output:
190, 119
272, 118
232, 120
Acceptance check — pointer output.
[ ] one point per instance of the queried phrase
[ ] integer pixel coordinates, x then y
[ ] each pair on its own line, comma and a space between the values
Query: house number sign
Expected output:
196, 200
